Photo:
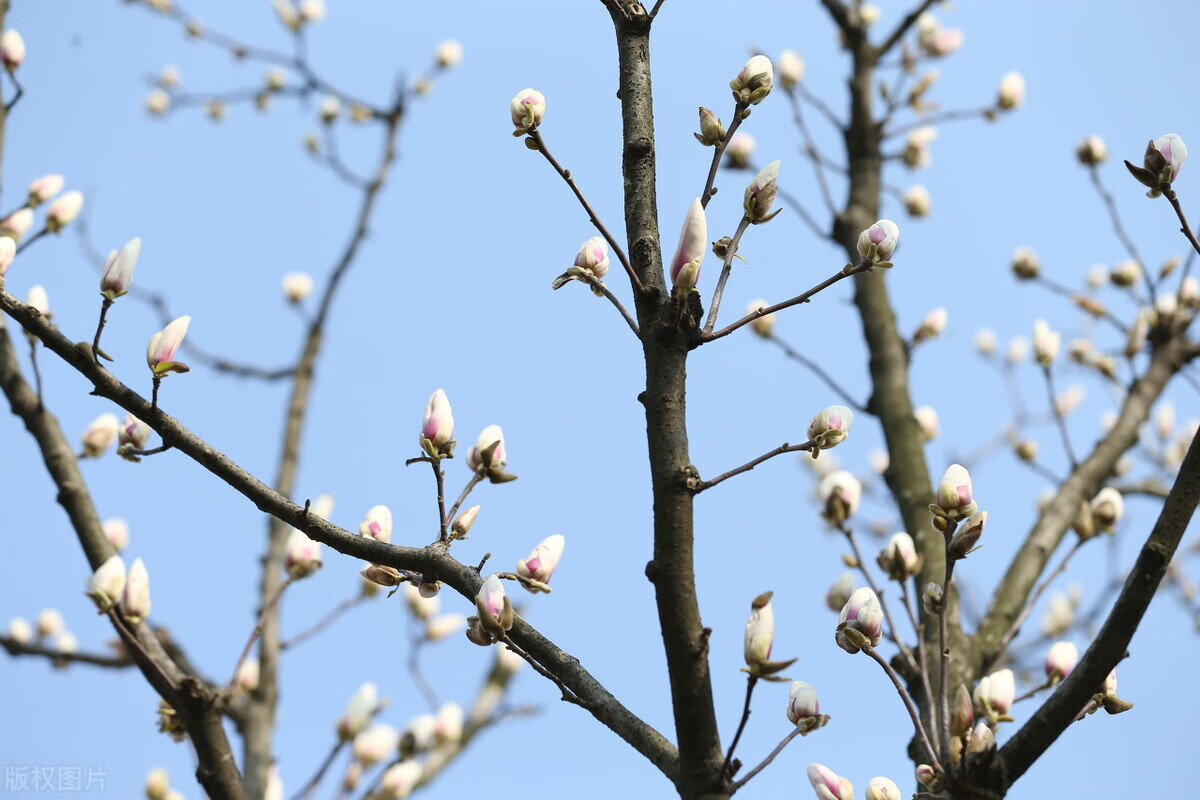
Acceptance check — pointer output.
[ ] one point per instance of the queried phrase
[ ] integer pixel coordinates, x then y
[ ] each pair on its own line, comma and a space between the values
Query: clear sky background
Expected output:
452, 290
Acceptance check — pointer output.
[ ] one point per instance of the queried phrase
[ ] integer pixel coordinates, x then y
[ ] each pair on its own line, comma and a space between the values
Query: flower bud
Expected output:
839, 493
540, 563
955, 498
463, 523
296, 286
1059, 616
994, 695
99, 435
1070, 400
381, 575
839, 591
20, 631
861, 621
12, 49
418, 735
303, 555
160, 354
753, 83
118, 269
689, 254
158, 102
437, 426
1011, 92
448, 54
17, 224
247, 676
760, 194
527, 107
712, 132
66, 642
495, 613
803, 703
312, 10
982, 739
63, 211
43, 188
420, 606
830, 427
883, 789
488, 456
932, 325
932, 597
107, 584
357, 716
926, 776
940, 42
879, 460
1026, 450
928, 422
877, 243
1171, 154
330, 108
740, 150
591, 260
900, 560
1091, 151
917, 202
49, 623
764, 325
135, 601
1107, 508
828, 784
760, 631
1061, 659
791, 69
440, 627
377, 524
375, 744
449, 723
962, 713
38, 300
1046, 342
400, 780
1025, 263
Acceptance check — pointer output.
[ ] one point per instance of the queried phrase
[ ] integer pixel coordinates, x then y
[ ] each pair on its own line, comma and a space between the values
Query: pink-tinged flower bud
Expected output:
917, 202
753, 83
448, 54
464, 522
1060, 660
63, 211
491, 595
764, 326
760, 194
330, 108
296, 286
303, 555
877, 243
882, 789
760, 631
375, 744
49, 623
440, 627
994, 695
689, 254
107, 584
1070, 400
712, 132
802, 703
118, 269
489, 456
160, 354
135, 601
928, 422
590, 262
495, 613
17, 224
926, 776
1107, 508
830, 427
312, 10
449, 727
791, 69
1165, 156
158, 102
528, 107
861, 621
377, 524
400, 780
740, 150
437, 427
357, 716
540, 564
247, 675
1046, 342
99, 435
900, 558
287, 13
932, 325
43, 188
1011, 92
1091, 151
828, 784
132, 435
839, 493
839, 591
943, 42
38, 300
20, 631
12, 49
955, 498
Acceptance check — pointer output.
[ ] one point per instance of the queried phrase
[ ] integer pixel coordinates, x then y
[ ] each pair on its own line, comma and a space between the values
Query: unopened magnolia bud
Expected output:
418, 735
303, 555
66, 642
160, 354
12, 49
689, 254
940, 42
1070, 399
828, 784
932, 325
764, 325
297, 286
1046, 342
158, 102
1165, 156
437, 427
1025, 263
753, 83
43, 188
1059, 616
985, 341
443, 626
377, 524
740, 150
17, 224
712, 132
1061, 659
49, 623
375, 744
760, 194
1091, 151
899, 560
982, 739
420, 606
330, 109
107, 584
791, 69
917, 201
994, 695
118, 269
861, 621
100, 435
63, 211
157, 784
38, 300
400, 780
760, 631
541, 563
135, 600
1107, 508
877, 243
840, 493
931, 598
287, 13
803, 703
830, 427
962, 712
357, 716
927, 777
275, 78
1126, 273
20, 631
247, 676
312, 10
928, 422
1011, 92
463, 522
917, 152
967, 535
449, 723
883, 789
839, 591
382, 575
955, 496
489, 456
527, 107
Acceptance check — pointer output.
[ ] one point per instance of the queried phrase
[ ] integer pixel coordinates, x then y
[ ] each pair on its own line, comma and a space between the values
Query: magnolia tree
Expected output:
944, 639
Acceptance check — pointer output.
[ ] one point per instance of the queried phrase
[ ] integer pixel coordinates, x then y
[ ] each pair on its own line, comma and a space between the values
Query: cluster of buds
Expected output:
753, 83
994, 696
488, 457
877, 243
437, 427
1161, 164
839, 493
303, 555
955, 497
828, 784
590, 262
495, 613
537, 568
689, 254
829, 428
760, 639
934, 40
861, 621
111, 585
804, 709
899, 559
527, 107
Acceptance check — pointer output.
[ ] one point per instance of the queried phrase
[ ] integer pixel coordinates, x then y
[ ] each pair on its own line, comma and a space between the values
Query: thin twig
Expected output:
104, 307
922, 660
567, 694
598, 285
943, 699
254, 634
311, 785
751, 680
16, 648
821, 106
1015, 628
726, 270
808, 219
908, 704
763, 765
810, 149
466, 491
700, 486
893, 632
1119, 228
324, 622
825, 377
1060, 419
25, 245
413, 662
943, 116
739, 110
37, 372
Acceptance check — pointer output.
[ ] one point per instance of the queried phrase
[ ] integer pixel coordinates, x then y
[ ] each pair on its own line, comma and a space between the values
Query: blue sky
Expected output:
452, 290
